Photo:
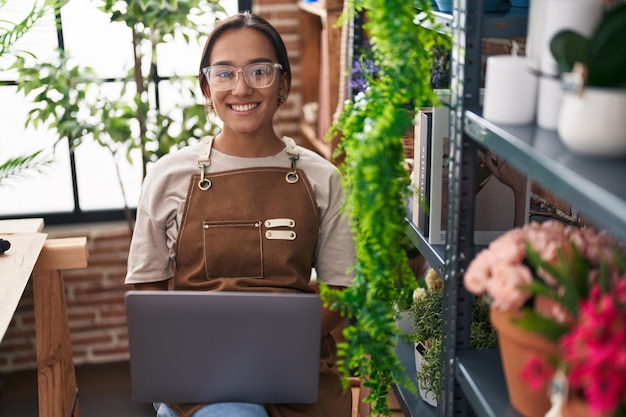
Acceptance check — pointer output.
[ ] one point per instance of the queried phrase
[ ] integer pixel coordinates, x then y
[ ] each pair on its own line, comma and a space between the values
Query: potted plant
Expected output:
82, 112
591, 117
554, 290
426, 314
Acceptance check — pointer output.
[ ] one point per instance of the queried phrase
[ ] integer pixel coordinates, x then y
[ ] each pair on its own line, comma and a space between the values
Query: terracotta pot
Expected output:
575, 407
516, 346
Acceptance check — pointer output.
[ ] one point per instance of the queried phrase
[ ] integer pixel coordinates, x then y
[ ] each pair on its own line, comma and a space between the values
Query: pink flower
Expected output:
594, 352
478, 273
536, 372
507, 286
509, 248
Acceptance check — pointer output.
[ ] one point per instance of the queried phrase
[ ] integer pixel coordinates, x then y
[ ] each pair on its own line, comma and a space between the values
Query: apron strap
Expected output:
204, 160
294, 154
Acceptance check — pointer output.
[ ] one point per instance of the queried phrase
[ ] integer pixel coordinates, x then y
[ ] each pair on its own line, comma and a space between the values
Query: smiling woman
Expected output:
84, 186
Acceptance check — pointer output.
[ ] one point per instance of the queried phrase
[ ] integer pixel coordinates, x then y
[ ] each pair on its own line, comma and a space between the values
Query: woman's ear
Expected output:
206, 91
283, 89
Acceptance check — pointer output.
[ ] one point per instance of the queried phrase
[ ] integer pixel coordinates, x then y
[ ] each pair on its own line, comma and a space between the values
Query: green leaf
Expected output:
536, 323
607, 65
569, 47
20, 166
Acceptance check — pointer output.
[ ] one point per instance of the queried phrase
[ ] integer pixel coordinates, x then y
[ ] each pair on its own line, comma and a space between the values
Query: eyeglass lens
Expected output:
257, 75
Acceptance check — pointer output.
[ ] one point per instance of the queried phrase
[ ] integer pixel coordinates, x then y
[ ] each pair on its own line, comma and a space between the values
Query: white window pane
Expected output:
176, 93
178, 58
48, 191
94, 41
98, 184
96, 173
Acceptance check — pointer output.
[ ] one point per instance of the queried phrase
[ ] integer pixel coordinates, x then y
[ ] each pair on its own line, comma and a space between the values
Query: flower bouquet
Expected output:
565, 287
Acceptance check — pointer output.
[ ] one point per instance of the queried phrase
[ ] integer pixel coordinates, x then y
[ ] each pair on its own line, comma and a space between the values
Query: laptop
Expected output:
207, 347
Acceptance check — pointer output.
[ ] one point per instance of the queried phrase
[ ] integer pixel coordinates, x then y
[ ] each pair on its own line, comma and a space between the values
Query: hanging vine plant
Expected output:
371, 127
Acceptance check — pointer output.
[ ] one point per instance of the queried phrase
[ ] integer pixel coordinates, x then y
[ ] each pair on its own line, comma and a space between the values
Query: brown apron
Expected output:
256, 229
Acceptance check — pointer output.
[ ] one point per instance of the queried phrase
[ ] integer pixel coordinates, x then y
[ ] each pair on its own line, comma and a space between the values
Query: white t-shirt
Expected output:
159, 213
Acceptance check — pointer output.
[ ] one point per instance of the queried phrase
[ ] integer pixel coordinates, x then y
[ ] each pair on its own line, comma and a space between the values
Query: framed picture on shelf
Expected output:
502, 199
421, 170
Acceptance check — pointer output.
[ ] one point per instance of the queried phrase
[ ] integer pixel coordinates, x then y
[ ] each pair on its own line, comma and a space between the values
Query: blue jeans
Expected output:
218, 410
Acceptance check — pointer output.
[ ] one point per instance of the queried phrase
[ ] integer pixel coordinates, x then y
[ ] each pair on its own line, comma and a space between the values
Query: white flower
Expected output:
419, 294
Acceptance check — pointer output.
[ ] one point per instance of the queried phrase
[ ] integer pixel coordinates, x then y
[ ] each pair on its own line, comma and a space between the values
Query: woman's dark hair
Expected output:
252, 21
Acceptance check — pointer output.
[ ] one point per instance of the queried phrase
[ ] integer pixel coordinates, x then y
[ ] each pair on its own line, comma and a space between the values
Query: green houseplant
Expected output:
426, 314
10, 33
68, 97
371, 127
594, 81
601, 55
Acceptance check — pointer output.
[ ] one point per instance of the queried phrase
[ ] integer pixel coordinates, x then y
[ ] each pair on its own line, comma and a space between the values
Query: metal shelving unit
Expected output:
474, 378
467, 377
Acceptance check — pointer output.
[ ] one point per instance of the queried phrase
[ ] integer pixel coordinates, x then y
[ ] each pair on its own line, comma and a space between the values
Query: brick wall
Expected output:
95, 295
283, 14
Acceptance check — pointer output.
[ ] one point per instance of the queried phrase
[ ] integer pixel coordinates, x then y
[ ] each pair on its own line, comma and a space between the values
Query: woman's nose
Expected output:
241, 85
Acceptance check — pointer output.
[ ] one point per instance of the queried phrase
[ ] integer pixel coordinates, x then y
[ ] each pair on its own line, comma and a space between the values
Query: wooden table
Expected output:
31, 254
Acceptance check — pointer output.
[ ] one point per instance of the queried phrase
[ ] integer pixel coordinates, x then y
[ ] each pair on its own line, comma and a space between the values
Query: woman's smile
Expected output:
243, 107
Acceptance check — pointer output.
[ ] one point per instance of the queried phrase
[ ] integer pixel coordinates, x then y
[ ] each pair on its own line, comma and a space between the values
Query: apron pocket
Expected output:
233, 249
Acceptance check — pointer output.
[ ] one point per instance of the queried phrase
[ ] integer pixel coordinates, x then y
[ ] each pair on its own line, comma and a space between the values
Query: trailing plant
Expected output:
371, 127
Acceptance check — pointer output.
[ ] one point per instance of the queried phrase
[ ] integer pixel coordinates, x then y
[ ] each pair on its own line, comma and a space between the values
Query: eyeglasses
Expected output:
257, 75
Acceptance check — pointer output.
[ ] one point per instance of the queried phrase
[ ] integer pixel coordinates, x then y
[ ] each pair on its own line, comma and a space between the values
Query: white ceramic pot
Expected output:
427, 396
594, 122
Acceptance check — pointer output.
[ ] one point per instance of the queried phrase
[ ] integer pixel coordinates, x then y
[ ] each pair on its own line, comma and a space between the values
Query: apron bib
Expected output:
252, 229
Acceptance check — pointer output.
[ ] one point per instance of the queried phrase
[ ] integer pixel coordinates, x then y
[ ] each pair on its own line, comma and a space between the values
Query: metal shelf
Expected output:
480, 375
434, 254
507, 22
595, 186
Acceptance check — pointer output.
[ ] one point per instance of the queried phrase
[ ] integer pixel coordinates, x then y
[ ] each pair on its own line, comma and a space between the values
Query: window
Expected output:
85, 187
